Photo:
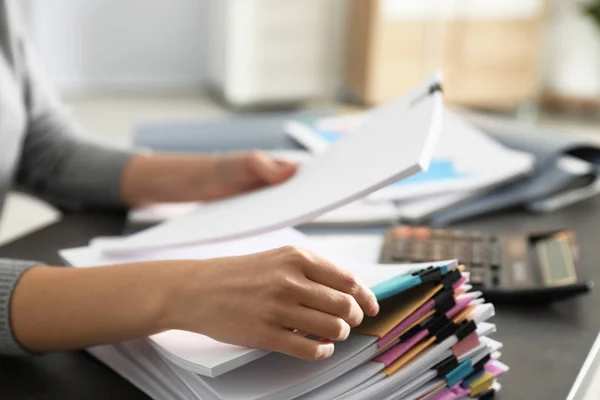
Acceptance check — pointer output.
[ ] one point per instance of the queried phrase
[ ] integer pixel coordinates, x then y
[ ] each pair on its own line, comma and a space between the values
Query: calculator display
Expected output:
556, 261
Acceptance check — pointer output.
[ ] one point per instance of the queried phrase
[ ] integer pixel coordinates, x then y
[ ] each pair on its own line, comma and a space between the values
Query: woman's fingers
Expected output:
316, 323
328, 274
288, 342
333, 302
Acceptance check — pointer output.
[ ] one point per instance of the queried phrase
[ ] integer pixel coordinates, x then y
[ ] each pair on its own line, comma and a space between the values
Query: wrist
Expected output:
178, 290
167, 178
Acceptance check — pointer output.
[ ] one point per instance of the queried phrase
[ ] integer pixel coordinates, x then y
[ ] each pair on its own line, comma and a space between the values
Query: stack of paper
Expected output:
430, 338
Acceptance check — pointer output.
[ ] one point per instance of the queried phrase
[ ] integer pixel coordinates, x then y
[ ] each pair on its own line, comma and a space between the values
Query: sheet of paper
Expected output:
93, 255
421, 208
396, 142
455, 166
465, 160
359, 212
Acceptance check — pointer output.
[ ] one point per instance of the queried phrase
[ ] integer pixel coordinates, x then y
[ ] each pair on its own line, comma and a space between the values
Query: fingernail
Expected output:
325, 351
375, 307
375, 310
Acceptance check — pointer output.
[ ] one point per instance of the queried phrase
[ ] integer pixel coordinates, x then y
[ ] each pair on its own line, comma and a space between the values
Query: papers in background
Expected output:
566, 170
464, 160
396, 142
420, 209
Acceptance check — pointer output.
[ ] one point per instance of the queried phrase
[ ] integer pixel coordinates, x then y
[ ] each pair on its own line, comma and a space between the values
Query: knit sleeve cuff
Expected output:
10, 273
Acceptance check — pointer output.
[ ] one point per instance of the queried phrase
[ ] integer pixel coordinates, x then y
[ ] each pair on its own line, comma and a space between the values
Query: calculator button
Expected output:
441, 234
459, 235
400, 249
476, 254
496, 255
421, 232
404, 232
477, 275
461, 251
440, 250
418, 250
495, 278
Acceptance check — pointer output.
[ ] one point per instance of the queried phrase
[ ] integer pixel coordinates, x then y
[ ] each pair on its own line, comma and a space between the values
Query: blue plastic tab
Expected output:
395, 285
459, 373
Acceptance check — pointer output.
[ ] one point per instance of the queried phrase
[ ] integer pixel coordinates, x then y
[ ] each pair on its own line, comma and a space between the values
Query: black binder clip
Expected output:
465, 329
446, 366
479, 365
444, 300
451, 278
430, 274
487, 395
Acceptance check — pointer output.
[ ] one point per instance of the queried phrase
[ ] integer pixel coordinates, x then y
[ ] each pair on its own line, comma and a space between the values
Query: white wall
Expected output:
572, 54
122, 44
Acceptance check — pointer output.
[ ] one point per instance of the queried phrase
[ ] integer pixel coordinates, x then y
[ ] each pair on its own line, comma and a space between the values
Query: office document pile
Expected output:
431, 340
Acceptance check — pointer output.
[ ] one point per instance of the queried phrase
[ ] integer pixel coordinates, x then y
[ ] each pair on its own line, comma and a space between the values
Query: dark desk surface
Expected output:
545, 347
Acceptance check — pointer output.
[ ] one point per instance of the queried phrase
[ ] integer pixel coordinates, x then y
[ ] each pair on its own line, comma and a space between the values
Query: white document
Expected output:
465, 160
397, 141
357, 213
421, 208
278, 376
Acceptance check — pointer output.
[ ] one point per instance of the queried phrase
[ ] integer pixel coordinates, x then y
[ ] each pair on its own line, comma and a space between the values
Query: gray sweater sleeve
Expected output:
56, 163
10, 273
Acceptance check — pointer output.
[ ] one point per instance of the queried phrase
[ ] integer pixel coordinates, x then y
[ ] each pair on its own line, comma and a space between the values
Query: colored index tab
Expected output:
466, 344
400, 349
472, 378
408, 356
395, 285
439, 302
408, 332
482, 384
395, 310
462, 316
463, 370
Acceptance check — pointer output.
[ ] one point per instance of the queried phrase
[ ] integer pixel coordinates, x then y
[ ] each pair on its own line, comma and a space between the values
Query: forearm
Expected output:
168, 178
55, 309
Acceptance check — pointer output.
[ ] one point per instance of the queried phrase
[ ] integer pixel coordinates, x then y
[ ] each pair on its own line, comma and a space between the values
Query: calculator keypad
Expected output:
481, 254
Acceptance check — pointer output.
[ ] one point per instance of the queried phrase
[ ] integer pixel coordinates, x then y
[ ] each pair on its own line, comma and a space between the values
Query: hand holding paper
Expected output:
396, 141
179, 178
264, 299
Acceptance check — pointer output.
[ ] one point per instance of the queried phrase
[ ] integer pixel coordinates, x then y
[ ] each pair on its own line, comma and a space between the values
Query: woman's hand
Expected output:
269, 300
178, 178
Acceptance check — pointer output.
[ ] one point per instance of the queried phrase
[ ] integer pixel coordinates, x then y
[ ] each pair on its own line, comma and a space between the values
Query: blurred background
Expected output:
119, 63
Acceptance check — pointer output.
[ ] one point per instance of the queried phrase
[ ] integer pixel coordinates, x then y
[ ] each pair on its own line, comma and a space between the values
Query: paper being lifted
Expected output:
396, 141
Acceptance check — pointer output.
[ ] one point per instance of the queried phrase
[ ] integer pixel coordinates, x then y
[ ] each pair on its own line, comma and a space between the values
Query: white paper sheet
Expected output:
397, 141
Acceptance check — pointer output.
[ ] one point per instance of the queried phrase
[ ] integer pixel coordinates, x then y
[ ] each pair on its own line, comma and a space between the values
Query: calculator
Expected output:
525, 268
